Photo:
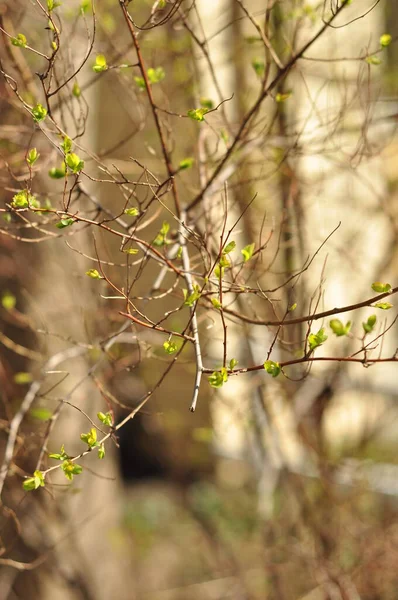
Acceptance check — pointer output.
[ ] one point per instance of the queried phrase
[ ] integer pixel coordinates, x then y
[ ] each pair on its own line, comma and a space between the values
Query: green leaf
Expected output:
247, 252
206, 103
368, 326
101, 452
21, 199
39, 113
198, 114
292, 307
24, 199
224, 261
160, 239
19, 40
377, 286
105, 418
33, 483
232, 364
385, 40
74, 162
100, 63
191, 298
90, 438
216, 303
130, 251
140, 81
170, 347
56, 173
218, 378
8, 300
338, 328
7, 217
51, 4
219, 271
61, 455
132, 212
317, 339
186, 163
229, 247
94, 274
259, 67
156, 75
64, 223
76, 91
32, 156
40, 413
373, 60
66, 145
383, 305
85, 6
272, 368
70, 468
282, 97
224, 136
22, 378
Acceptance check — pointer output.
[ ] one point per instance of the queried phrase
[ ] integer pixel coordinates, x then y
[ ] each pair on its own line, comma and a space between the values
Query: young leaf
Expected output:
131, 212
33, 483
19, 40
191, 298
39, 113
383, 305
64, 223
8, 300
218, 378
90, 438
61, 455
229, 247
170, 347
130, 251
21, 199
385, 40
101, 452
74, 162
232, 364
76, 91
160, 239
247, 252
94, 274
292, 307
32, 156
273, 368
22, 378
216, 303
105, 418
368, 325
317, 339
206, 103
186, 163
259, 67
198, 114
377, 286
70, 468
66, 145
57, 173
339, 328
140, 81
156, 75
100, 64
373, 60
282, 97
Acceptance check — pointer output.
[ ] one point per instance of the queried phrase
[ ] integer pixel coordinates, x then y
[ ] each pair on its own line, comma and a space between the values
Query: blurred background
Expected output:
275, 488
